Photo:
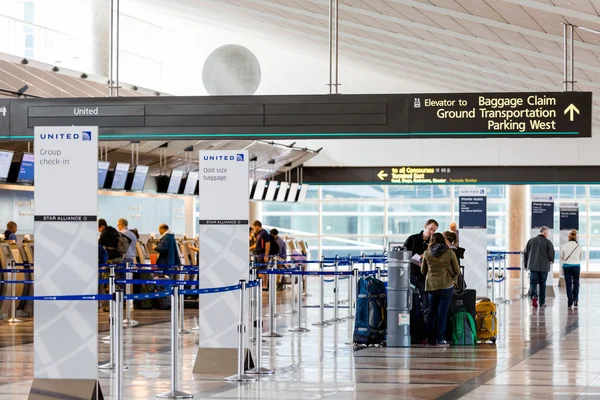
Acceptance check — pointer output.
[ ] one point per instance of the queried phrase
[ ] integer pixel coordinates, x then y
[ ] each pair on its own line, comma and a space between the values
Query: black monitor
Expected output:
103, 167
120, 176
6, 157
26, 169
190, 183
175, 181
139, 178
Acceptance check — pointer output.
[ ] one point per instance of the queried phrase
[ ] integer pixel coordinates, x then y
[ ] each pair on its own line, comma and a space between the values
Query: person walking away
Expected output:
166, 248
11, 232
261, 249
417, 244
538, 258
570, 255
281, 254
109, 239
440, 268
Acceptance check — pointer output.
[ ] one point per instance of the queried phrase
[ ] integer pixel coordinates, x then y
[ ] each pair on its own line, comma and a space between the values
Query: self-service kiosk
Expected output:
141, 252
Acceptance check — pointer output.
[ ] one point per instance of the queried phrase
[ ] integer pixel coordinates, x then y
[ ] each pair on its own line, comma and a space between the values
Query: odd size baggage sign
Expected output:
502, 114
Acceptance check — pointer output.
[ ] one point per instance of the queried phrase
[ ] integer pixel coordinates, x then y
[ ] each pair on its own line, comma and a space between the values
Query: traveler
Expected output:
538, 258
417, 244
129, 256
11, 231
454, 229
261, 249
167, 248
251, 238
440, 267
570, 255
452, 243
281, 255
109, 238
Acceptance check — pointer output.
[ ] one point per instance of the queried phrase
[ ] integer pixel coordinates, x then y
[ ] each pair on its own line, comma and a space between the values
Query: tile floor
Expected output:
541, 354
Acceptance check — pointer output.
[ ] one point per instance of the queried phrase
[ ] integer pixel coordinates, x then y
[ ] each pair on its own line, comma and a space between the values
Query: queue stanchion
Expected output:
352, 306
378, 273
506, 299
258, 326
254, 296
322, 321
299, 328
293, 278
523, 272
272, 306
182, 329
241, 376
371, 264
111, 321
128, 287
174, 393
119, 366
13, 290
493, 279
273, 288
336, 293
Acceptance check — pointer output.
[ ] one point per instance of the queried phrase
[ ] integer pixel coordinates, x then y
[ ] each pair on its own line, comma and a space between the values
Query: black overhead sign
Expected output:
447, 175
561, 114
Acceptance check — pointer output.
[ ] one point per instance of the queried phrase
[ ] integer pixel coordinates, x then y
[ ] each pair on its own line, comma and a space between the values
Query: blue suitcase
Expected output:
371, 303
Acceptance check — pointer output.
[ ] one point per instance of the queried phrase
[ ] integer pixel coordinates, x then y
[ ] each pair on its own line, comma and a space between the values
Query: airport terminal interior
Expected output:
299, 199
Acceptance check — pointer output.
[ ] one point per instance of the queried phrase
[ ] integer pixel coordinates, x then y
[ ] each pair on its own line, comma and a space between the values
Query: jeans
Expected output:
538, 278
439, 303
572, 282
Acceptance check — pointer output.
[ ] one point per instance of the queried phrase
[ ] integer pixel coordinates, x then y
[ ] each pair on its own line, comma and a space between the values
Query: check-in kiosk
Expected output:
141, 252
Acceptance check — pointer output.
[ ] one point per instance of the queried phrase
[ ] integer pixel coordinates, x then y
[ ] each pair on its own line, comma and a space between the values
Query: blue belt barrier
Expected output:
211, 290
22, 282
144, 296
22, 271
333, 280
148, 282
326, 306
504, 252
153, 271
89, 297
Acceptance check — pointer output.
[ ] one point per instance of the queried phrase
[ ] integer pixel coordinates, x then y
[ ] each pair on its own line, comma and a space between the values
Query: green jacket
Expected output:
440, 268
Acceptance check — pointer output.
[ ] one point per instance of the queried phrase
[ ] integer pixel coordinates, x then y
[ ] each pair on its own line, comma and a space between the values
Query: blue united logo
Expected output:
86, 136
239, 157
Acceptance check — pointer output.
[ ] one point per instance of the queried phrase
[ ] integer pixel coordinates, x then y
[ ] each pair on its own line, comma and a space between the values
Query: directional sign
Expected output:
502, 114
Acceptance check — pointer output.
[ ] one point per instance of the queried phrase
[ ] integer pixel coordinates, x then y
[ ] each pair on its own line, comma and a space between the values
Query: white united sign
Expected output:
66, 261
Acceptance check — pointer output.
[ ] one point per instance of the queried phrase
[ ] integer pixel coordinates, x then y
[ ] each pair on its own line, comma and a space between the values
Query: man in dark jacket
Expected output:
538, 258
417, 244
167, 248
109, 238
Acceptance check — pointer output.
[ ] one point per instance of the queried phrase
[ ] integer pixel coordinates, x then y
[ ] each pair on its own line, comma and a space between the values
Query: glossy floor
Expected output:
541, 354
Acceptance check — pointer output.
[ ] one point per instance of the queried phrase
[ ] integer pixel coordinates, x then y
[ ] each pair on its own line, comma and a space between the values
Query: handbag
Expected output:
576, 247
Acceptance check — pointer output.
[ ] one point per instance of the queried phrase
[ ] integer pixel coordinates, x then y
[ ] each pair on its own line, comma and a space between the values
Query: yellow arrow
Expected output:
570, 110
382, 175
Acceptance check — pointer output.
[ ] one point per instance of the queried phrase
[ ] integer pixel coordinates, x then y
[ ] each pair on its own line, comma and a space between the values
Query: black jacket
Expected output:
417, 245
539, 254
109, 238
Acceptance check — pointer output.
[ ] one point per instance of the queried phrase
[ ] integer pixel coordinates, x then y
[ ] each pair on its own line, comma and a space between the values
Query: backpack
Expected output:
486, 321
274, 249
463, 329
123, 244
102, 255
370, 325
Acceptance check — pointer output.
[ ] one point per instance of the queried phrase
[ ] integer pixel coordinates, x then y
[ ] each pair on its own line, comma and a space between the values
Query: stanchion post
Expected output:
378, 273
13, 290
272, 300
523, 272
182, 329
293, 278
241, 376
493, 279
322, 321
258, 325
112, 320
118, 300
128, 287
336, 293
352, 307
174, 393
299, 328
254, 296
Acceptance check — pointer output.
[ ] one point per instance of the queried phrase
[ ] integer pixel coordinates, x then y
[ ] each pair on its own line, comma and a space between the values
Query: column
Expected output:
100, 37
517, 224
255, 211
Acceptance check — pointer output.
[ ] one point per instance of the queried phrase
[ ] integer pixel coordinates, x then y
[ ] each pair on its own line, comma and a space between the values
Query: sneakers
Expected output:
534, 302
442, 343
575, 303
570, 304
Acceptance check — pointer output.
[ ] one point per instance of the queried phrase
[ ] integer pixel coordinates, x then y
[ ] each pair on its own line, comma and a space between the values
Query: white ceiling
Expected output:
462, 45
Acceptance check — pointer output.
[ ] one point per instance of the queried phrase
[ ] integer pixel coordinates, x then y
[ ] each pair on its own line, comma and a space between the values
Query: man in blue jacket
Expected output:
167, 247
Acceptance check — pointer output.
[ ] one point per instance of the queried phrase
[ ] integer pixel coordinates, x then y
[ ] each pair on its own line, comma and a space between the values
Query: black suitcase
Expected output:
465, 300
418, 328
145, 304
162, 303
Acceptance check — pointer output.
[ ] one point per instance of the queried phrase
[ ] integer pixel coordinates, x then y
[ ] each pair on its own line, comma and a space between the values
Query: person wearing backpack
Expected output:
278, 249
129, 256
440, 268
570, 256
109, 238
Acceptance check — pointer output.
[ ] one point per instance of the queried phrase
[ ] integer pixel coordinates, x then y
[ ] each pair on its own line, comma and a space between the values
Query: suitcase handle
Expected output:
410, 300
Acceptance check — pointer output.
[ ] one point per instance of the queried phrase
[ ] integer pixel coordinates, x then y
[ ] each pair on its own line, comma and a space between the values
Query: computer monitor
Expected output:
293, 193
303, 193
175, 181
190, 183
271, 190
139, 178
282, 192
26, 169
6, 157
259, 189
120, 177
103, 167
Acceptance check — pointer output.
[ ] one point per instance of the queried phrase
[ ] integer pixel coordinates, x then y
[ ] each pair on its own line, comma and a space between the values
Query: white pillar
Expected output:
255, 211
99, 47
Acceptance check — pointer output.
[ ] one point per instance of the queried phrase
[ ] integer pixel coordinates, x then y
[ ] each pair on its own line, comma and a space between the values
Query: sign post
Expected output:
66, 235
473, 237
542, 214
224, 213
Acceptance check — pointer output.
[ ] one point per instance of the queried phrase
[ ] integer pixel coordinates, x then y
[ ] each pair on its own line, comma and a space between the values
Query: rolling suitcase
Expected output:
371, 307
486, 321
162, 303
145, 304
418, 327
460, 301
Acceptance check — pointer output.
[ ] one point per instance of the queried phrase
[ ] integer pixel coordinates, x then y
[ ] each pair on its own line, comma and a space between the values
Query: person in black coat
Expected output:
109, 239
418, 244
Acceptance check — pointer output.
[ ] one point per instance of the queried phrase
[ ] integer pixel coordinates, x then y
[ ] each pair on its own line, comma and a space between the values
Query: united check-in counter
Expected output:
20, 254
